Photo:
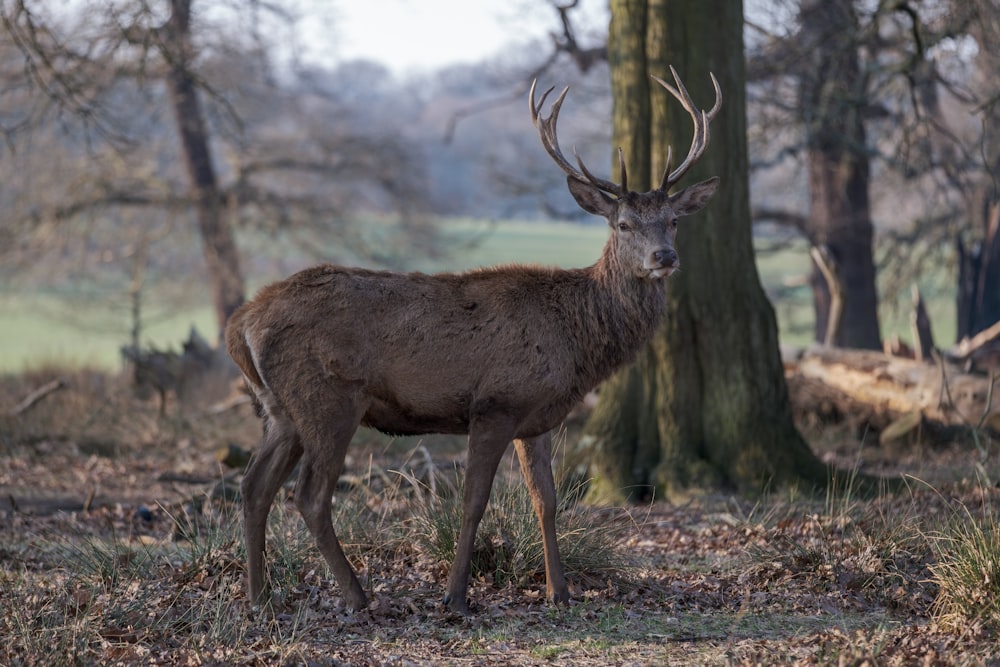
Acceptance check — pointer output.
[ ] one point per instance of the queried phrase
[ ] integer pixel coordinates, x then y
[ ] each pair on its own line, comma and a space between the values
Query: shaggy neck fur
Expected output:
621, 312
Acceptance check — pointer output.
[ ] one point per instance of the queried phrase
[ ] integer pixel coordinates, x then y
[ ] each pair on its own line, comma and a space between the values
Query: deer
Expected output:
500, 354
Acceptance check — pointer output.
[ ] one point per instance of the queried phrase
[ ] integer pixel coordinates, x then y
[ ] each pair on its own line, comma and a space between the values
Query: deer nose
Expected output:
665, 258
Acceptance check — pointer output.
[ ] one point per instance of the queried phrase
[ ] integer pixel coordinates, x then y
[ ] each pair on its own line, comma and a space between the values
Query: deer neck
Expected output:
623, 313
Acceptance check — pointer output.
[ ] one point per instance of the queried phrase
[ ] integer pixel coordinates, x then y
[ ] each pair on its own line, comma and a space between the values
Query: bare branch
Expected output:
565, 43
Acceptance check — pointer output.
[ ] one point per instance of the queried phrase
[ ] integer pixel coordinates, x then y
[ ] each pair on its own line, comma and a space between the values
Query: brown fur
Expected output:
500, 353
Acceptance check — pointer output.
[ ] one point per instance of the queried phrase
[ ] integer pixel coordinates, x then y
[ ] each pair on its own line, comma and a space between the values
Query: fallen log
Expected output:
892, 397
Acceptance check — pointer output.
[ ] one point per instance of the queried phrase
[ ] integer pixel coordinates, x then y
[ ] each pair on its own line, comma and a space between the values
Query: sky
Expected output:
415, 35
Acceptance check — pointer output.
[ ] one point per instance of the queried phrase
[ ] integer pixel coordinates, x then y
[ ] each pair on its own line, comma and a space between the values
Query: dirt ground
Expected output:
96, 491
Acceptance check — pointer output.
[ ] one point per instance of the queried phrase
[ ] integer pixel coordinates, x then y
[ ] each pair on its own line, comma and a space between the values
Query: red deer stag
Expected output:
501, 354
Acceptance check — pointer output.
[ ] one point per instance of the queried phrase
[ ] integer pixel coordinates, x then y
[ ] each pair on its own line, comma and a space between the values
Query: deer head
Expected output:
643, 224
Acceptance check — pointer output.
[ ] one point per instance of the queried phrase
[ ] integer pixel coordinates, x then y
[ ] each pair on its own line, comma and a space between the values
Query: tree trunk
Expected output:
979, 266
630, 88
984, 208
218, 244
705, 404
832, 94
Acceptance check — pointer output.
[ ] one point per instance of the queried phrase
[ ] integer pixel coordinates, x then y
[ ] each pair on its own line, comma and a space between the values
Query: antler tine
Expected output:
547, 132
666, 168
702, 119
621, 169
607, 186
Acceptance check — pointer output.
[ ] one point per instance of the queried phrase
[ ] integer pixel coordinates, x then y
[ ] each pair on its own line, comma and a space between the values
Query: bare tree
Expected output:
949, 148
93, 83
174, 40
917, 116
814, 77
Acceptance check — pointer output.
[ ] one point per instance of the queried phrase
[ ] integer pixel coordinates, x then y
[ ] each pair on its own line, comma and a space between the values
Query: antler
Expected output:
547, 132
701, 120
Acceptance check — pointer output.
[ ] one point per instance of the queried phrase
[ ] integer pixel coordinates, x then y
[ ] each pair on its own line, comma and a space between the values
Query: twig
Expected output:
969, 345
828, 267
228, 404
89, 502
37, 395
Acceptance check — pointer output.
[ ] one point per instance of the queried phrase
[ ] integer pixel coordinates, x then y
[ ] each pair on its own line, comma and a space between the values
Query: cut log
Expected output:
939, 401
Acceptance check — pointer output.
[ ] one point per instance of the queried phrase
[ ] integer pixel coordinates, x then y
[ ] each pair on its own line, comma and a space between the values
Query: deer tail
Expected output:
239, 349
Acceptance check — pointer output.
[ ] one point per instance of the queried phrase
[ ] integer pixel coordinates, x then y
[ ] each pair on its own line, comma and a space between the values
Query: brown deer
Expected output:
501, 354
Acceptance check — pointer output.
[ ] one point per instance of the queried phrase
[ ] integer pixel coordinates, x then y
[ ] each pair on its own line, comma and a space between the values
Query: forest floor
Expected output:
120, 544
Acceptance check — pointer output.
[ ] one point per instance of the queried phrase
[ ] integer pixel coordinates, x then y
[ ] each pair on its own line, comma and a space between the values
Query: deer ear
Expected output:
694, 197
590, 198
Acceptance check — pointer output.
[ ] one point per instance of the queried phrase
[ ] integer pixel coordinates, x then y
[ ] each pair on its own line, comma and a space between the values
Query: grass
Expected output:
842, 579
47, 330
115, 596
807, 590
81, 327
967, 571
509, 550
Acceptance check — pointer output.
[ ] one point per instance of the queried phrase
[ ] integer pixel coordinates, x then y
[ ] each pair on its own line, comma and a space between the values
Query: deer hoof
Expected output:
560, 597
356, 602
457, 605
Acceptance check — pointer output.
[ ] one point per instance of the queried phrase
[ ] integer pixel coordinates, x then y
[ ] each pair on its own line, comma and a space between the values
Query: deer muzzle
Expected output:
662, 262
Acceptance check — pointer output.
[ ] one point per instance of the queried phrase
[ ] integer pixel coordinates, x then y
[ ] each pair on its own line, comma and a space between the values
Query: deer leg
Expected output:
313, 492
535, 455
485, 452
271, 465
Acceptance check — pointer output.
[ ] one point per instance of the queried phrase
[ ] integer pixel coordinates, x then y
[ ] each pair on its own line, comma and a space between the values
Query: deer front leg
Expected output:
485, 452
535, 455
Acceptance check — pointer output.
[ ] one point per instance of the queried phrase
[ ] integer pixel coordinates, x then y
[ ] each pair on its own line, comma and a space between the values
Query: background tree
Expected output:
91, 83
948, 147
174, 40
832, 103
706, 404
979, 268
894, 104
811, 74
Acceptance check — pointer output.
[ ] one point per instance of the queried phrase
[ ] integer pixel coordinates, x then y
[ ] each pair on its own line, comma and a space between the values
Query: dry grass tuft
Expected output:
967, 572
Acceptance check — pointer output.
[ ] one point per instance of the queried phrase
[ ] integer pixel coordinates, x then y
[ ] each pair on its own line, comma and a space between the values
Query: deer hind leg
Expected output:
535, 455
271, 465
321, 467
486, 448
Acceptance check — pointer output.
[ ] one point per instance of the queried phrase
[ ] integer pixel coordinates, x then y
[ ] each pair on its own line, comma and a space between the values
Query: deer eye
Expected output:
623, 226
673, 223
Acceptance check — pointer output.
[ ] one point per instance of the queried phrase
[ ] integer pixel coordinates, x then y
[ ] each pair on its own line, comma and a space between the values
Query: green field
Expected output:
43, 327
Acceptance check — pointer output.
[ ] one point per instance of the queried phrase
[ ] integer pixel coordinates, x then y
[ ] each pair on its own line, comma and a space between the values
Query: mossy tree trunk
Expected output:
705, 405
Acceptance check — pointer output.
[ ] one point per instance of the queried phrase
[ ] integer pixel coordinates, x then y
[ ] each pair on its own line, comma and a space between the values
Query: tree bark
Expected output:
978, 295
984, 213
630, 88
832, 92
218, 244
705, 404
